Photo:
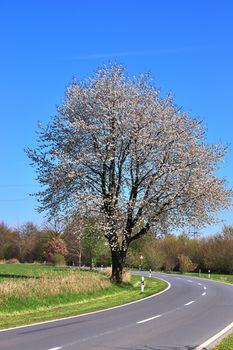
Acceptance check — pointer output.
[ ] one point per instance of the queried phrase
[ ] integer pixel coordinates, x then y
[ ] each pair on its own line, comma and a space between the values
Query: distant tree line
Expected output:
184, 254
73, 246
81, 244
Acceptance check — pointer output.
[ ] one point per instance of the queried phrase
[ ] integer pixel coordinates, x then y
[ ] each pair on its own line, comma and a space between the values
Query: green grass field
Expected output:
30, 270
226, 344
213, 276
34, 293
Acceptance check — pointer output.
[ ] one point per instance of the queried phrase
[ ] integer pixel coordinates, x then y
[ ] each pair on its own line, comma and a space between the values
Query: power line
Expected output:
17, 200
16, 185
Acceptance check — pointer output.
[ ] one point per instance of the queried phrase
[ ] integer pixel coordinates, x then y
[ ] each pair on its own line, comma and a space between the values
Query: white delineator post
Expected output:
208, 273
150, 273
142, 284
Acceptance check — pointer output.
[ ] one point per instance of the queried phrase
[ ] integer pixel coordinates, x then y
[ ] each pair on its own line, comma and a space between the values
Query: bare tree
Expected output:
118, 150
74, 233
55, 224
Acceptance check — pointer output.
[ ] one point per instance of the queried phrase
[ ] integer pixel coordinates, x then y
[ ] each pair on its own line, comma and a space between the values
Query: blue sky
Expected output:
187, 45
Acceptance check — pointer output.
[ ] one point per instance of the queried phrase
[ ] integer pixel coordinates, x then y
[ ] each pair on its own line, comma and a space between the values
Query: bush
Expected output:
58, 260
186, 264
55, 246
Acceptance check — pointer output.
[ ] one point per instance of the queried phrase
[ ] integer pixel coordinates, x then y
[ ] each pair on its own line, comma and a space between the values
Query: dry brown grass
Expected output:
50, 286
108, 272
126, 275
10, 261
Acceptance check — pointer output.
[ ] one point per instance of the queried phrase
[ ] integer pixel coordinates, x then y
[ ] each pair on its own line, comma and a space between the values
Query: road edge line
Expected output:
215, 337
92, 312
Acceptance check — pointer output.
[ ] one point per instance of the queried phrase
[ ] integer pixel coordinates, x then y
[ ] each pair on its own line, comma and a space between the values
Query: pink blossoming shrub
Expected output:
54, 247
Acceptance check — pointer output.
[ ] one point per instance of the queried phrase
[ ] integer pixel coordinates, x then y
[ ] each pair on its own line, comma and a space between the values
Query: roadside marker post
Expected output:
208, 273
150, 273
142, 284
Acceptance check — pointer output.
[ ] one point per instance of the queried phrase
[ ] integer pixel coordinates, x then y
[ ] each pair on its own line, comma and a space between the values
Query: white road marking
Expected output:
205, 288
149, 319
215, 337
189, 281
199, 284
191, 302
204, 293
57, 348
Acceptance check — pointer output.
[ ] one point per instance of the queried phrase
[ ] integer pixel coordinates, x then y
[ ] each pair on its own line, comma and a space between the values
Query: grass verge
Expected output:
213, 276
20, 309
226, 344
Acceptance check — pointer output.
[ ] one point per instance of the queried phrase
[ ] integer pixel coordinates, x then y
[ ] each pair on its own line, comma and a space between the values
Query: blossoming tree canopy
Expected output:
118, 151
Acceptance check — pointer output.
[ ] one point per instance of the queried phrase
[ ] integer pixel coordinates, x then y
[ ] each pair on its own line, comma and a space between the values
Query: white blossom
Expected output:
119, 151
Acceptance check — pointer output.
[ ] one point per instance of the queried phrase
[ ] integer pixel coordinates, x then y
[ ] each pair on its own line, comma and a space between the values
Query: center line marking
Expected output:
191, 302
149, 319
57, 348
205, 288
204, 293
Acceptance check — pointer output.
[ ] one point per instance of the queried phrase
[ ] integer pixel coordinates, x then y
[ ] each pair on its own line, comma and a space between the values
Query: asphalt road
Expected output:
186, 315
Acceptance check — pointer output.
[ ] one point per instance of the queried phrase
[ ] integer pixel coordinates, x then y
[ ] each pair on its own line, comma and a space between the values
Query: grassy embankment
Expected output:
226, 344
213, 276
34, 293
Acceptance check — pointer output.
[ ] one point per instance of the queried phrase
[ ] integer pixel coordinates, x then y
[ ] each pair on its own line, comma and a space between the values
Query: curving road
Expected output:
184, 317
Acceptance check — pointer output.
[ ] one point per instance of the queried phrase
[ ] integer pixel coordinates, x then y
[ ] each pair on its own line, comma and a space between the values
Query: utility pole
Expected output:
195, 233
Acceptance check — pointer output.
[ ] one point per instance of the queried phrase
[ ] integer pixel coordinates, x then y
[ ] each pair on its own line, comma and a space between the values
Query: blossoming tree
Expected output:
119, 151
55, 246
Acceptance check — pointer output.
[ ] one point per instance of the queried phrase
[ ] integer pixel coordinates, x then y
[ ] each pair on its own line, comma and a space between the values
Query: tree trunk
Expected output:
80, 258
118, 261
